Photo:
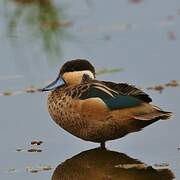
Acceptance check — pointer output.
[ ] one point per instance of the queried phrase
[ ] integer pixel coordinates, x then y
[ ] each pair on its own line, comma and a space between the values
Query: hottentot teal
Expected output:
95, 110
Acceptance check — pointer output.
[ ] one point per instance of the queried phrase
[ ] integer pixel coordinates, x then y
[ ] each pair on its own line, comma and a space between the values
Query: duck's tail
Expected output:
155, 113
162, 114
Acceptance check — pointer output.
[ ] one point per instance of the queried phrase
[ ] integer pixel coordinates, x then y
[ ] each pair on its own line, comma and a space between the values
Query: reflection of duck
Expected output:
95, 110
99, 164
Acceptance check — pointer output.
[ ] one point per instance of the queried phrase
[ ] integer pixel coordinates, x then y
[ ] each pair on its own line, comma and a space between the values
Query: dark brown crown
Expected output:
77, 65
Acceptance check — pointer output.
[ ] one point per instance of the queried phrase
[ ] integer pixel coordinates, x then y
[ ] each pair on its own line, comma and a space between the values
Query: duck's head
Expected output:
73, 72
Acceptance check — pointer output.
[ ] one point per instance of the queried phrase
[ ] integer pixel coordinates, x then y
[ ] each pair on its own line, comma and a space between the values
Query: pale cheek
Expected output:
72, 80
75, 77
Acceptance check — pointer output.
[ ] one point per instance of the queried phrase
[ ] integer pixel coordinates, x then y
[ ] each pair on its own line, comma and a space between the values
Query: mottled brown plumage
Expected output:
99, 111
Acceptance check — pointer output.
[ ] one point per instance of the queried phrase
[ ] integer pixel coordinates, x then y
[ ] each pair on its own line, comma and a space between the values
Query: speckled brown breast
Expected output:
62, 111
69, 114
65, 109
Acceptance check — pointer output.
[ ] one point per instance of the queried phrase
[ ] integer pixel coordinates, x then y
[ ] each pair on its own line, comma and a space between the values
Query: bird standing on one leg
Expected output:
98, 111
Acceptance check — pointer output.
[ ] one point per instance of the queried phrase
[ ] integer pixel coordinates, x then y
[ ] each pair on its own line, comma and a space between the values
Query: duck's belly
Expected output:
91, 123
98, 131
91, 129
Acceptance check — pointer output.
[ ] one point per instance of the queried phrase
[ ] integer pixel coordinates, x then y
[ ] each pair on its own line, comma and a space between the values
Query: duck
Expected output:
98, 111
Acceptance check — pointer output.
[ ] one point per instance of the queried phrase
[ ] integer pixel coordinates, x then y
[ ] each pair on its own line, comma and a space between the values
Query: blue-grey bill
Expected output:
58, 82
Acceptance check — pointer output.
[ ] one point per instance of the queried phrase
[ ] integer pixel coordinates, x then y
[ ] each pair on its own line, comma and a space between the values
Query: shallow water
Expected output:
142, 38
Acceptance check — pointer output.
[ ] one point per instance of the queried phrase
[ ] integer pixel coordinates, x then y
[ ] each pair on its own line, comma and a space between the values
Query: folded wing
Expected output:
129, 90
112, 98
122, 97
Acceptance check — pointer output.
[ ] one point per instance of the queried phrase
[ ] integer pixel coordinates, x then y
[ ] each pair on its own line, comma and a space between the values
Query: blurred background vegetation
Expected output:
39, 22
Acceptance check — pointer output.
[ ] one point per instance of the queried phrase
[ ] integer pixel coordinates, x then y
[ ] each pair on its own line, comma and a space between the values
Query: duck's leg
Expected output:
103, 145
